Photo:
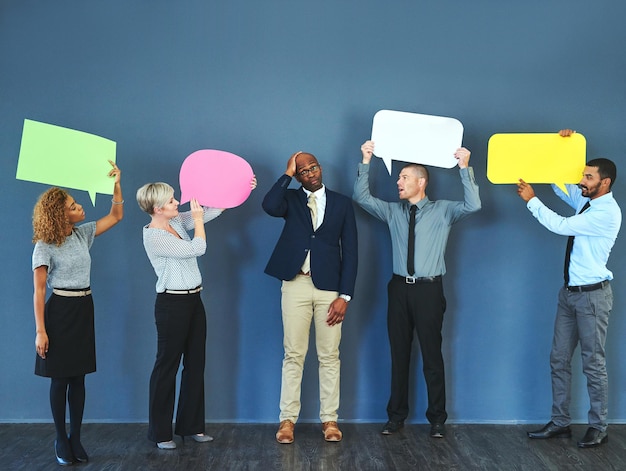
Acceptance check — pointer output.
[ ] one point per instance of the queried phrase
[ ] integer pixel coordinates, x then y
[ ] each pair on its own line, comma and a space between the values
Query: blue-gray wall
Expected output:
263, 79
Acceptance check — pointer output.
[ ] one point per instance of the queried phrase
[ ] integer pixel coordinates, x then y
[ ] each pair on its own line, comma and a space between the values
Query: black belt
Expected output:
593, 287
411, 280
183, 291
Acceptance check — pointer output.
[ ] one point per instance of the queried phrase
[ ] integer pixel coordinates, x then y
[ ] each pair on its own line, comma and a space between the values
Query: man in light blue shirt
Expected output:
419, 229
586, 299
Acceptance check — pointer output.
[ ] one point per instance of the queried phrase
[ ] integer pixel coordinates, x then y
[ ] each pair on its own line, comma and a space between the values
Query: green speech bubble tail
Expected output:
92, 196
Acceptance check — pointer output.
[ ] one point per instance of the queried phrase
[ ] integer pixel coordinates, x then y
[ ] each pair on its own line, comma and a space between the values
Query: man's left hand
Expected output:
336, 312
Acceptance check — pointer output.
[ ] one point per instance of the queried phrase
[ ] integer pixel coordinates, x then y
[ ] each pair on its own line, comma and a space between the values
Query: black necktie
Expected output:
568, 250
410, 260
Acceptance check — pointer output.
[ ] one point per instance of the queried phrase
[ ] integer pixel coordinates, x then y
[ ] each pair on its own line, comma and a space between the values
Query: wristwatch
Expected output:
345, 297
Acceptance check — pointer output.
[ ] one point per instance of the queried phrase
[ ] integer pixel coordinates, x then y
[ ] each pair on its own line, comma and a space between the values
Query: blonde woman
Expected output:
65, 338
179, 313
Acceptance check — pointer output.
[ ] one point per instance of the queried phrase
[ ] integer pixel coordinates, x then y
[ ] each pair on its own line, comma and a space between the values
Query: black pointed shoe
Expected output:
437, 430
77, 450
593, 438
551, 430
63, 454
392, 427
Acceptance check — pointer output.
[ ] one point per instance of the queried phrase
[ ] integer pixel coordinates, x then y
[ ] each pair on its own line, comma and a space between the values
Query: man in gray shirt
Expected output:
419, 231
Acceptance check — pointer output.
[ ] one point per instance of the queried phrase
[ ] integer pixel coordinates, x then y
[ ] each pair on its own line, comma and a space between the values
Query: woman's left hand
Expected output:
253, 182
115, 172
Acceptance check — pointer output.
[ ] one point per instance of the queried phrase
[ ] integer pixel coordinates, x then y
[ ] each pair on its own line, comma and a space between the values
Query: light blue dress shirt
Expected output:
595, 230
433, 222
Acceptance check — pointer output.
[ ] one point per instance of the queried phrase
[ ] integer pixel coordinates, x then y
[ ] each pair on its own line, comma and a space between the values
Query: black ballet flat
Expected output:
64, 459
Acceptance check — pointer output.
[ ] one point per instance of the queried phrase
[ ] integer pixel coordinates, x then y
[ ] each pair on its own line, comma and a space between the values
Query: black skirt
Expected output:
71, 338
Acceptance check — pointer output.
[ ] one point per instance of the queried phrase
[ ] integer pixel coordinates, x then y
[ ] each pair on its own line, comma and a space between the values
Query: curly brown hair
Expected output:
49, 218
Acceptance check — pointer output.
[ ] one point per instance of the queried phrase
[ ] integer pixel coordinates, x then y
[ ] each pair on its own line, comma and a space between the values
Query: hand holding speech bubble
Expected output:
419, 138
536, 158
64, 157
216, 178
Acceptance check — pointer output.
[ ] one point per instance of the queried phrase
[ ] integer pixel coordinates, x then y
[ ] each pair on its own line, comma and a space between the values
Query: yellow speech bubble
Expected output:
536, 158
64, 157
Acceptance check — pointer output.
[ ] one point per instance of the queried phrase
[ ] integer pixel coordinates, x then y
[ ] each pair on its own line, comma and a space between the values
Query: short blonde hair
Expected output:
154, 195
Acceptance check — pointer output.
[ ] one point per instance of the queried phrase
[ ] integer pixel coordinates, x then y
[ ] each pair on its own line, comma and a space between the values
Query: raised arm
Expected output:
117, 203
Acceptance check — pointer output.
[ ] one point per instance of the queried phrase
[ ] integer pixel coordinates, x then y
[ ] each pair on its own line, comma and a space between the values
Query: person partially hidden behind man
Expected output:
585, 300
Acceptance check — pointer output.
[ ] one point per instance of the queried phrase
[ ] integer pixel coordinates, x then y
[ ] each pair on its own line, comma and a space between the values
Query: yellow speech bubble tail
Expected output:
562, 187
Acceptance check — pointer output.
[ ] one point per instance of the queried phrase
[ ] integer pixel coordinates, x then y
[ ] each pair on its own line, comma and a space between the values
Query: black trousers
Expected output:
181, 331
417, 308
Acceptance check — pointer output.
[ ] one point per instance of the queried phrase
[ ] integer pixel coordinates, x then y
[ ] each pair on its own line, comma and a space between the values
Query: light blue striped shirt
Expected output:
433, 222
175, 260
595, 231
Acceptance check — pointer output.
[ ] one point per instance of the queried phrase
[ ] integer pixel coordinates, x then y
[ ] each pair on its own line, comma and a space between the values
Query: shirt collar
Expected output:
420, 204
318, 193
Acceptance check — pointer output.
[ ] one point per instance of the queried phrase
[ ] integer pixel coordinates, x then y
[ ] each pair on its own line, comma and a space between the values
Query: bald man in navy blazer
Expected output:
316, 259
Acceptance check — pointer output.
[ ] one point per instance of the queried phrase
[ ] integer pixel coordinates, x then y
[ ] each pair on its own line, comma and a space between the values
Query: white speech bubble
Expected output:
418, 138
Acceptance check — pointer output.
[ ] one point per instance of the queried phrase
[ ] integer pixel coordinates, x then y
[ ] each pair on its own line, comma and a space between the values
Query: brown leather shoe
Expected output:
331, 432
285, 432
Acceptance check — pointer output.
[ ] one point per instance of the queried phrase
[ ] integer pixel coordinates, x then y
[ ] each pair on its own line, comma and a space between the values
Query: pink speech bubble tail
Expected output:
184, 198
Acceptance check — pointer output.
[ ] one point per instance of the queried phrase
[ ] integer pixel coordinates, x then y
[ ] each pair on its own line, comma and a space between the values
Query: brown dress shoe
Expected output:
331, 432
285, 432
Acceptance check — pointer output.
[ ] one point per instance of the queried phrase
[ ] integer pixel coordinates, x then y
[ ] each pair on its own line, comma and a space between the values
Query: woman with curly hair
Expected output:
65, 341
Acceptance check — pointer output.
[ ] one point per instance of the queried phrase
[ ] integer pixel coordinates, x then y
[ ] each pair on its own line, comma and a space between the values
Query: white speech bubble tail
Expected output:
387, 161
562, 187
92, 197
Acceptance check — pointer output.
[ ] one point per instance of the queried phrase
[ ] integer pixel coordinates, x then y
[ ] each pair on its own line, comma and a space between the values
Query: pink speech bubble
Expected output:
216, 178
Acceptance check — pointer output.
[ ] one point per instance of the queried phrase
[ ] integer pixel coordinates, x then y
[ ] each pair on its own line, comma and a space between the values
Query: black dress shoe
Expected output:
78, 451
437, 430
551, 430
593, 437
63, 454
392, 427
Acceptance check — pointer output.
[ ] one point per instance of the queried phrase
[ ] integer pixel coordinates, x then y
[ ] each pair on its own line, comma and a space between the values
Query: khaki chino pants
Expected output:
302, 303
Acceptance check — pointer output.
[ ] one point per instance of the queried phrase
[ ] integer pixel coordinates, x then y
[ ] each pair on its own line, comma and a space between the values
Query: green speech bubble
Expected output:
64, 157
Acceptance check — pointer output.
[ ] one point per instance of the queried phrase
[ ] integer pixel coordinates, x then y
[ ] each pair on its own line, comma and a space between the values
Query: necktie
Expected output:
313, 207
568, 250
306, 266
410, 260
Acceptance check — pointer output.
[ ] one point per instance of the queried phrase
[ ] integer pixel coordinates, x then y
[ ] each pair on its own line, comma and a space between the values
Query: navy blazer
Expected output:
333, 244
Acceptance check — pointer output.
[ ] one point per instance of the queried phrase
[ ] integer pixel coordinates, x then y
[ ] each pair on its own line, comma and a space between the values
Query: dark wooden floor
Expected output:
112, 447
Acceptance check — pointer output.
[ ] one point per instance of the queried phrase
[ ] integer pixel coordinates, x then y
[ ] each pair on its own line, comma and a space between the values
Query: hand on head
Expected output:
291, 164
